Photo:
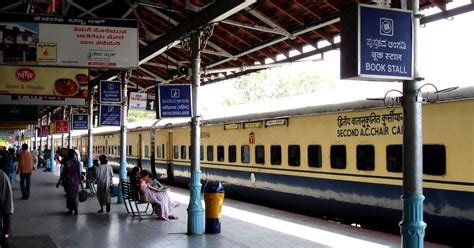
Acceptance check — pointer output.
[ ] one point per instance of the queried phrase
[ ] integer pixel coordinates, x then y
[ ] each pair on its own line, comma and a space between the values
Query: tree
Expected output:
140, 115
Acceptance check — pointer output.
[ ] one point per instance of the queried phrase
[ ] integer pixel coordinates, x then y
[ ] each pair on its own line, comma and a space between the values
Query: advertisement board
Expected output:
61, 126
33, 39
138, 101
80, 121
44, 81
174, 100
44, 131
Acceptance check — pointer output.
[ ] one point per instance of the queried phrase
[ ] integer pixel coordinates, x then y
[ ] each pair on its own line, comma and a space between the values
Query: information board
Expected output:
110, 115
138, 100
44, 131
80, 121
110, 91
61, 126
174, 101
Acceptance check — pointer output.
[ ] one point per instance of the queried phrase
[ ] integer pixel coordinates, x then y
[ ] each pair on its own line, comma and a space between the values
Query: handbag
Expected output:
82, 194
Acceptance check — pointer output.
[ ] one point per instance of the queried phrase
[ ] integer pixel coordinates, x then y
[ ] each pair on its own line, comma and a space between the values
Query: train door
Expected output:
140, 142
169, 157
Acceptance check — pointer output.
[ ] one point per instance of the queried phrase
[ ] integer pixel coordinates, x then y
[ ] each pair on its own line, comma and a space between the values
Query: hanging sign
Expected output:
174, 100
13, 113
44, 131
31, 39
138, 100
151, 102
80, 121
41, 100
110, 115
110, 91
44, 81
376, 43
61, 126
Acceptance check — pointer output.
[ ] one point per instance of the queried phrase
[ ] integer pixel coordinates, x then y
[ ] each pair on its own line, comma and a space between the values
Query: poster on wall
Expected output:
44, 81
30, 39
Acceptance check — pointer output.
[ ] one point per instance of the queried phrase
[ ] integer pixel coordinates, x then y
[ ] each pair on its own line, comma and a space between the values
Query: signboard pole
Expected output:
69, 140
53, 163
412, 225
195, 210
123, 135
89, 130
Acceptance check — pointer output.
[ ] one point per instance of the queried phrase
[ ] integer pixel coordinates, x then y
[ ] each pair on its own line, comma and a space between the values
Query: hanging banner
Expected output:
44, 81
44, 131
110, 115
174, 100
376, 43
110, 91
80, 121
30, 39
138, 101
61, 126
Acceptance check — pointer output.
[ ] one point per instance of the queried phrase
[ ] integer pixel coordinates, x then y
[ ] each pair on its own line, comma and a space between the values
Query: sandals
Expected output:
172, 217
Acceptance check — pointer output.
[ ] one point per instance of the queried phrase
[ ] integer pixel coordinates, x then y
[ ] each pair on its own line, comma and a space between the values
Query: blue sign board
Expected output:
110, 91
386, 43
110, 115
80, 121
174, 101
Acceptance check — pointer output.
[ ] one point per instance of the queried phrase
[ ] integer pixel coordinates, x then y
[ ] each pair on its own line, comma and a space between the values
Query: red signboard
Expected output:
62, 126
44, 131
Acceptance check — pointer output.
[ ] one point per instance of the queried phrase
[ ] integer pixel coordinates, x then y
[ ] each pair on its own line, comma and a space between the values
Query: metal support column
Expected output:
89, 131
53, 163
195, 210
123, 135
412, 226
69, 137
153, 148
62, 135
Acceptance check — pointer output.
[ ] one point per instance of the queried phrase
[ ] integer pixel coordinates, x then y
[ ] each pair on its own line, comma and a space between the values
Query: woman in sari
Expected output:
71, 179
150, 193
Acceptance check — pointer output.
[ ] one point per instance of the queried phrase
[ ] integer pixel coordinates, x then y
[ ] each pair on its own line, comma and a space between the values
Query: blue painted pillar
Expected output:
195, 210
412, 226
90, 142
123, 136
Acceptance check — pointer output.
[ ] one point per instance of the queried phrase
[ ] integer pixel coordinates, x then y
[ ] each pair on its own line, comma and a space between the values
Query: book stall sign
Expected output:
376, 43
110, 91
80, 121
41, 40
174, 100
61, 126
44, 131
138, 101
44, 81
110, 115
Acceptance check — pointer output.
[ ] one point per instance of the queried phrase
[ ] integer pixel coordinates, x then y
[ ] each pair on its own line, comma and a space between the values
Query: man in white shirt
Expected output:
6, 206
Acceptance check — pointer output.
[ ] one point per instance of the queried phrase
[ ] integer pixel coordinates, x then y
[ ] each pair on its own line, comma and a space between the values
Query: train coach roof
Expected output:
279, 108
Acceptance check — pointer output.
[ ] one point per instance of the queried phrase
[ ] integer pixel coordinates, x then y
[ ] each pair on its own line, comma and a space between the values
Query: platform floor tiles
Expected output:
41, 221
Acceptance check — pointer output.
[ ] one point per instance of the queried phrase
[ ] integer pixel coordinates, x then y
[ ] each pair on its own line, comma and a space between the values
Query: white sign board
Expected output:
138, 100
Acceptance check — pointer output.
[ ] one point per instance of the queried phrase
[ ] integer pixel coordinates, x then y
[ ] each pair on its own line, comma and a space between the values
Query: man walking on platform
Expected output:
25, 168
6, 206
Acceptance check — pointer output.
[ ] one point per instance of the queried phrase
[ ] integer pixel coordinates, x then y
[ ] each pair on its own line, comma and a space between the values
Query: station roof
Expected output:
244, 32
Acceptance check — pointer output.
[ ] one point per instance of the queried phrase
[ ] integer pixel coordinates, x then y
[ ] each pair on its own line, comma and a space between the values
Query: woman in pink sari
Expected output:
151, 191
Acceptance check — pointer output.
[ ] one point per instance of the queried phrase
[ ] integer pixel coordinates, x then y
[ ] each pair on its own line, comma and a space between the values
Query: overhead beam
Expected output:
447, 14
95, 8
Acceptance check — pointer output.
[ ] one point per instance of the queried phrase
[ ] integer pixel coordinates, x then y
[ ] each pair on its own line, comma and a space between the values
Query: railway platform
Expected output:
41, 221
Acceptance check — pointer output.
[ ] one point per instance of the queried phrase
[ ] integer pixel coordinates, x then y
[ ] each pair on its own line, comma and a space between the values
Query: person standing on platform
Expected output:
6, 206
35, 154
71, 181
11, 168
25, 168
104, 181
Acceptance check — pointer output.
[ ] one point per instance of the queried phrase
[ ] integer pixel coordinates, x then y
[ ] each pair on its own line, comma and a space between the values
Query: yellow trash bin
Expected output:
213, 198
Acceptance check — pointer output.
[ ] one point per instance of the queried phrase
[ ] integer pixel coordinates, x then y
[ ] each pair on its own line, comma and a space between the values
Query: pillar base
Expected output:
195, 210
412, 227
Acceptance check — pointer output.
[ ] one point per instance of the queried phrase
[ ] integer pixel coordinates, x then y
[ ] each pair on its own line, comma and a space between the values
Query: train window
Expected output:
175, 152
163, 149
183, 152
394, 158
338, 157
365, 157
158, 151
220, 153
434, 160
245, 154
260, 154
232, 153
275, 155
210, 153
314, 156
129, 152
147, 151
201, 152
294, 155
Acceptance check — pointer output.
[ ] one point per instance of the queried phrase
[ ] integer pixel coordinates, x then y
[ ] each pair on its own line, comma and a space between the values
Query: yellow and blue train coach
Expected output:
341, 161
